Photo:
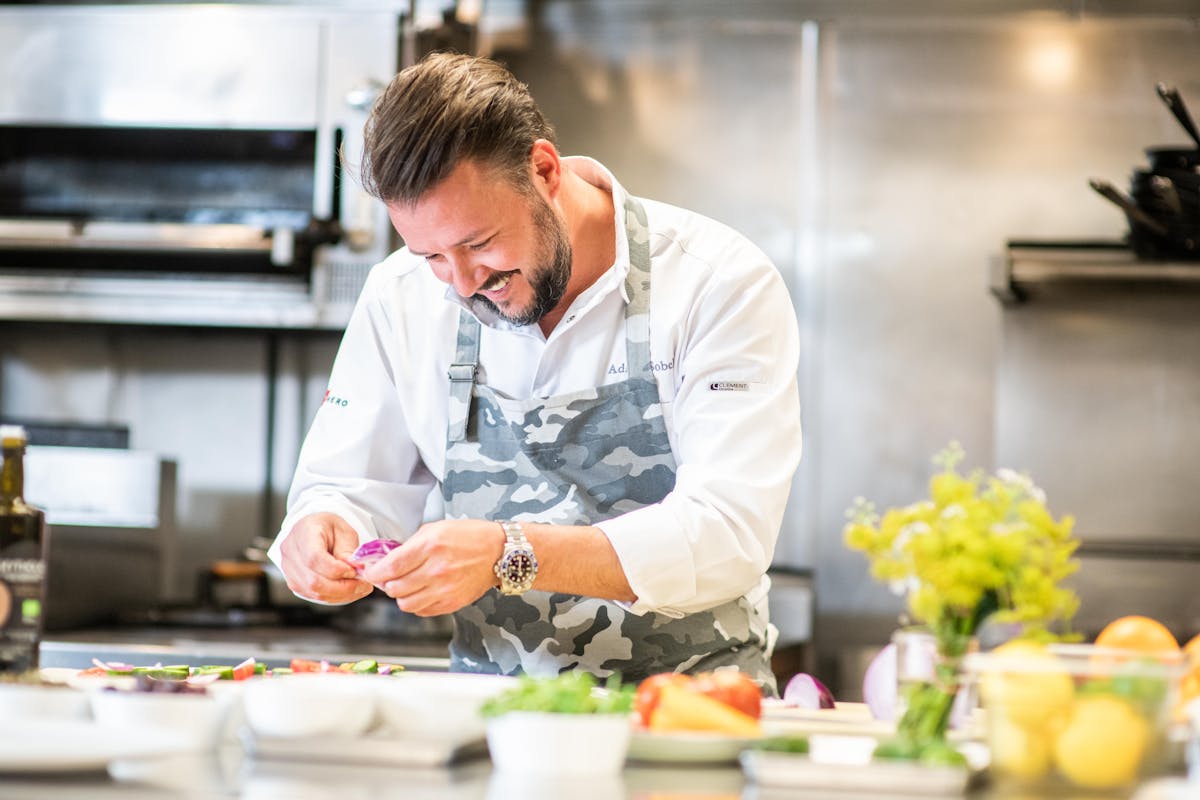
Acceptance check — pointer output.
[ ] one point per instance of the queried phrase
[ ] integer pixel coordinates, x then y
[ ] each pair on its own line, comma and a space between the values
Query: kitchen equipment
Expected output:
111, 525
1174, 101
184, 163
1163, 205
1175, 157
1136, 215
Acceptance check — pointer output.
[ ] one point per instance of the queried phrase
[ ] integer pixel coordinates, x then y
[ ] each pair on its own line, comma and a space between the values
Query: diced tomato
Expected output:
648, 691
93, 671
304, 665
244, 670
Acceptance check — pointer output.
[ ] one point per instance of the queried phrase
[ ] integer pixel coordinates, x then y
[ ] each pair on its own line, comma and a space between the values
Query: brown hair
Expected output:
441, 111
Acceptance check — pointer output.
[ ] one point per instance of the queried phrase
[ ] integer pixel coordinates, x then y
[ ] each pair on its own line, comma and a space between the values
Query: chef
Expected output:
600, 389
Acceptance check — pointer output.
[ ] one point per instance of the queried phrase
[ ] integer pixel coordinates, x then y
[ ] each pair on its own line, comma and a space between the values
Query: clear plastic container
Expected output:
1076, 716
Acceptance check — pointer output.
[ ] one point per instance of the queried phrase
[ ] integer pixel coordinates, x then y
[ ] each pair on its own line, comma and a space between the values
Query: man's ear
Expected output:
545, 168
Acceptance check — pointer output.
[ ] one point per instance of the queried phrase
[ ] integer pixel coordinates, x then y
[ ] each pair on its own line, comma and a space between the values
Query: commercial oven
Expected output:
188, 164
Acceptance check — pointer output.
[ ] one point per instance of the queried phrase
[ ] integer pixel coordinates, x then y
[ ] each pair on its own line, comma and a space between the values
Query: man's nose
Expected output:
465, 275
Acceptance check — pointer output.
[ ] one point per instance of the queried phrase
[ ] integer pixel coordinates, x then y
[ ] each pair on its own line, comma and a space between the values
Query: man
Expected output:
604, 394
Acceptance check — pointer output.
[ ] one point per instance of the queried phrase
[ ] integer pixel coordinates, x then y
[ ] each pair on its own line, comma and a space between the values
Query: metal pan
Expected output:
1177, 158
1136, 215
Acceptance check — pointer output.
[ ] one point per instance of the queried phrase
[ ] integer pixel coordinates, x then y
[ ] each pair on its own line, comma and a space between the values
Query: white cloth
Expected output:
725, 347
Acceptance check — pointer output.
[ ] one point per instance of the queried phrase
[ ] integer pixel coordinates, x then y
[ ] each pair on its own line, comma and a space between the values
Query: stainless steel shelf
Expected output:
227, 302
1029, 268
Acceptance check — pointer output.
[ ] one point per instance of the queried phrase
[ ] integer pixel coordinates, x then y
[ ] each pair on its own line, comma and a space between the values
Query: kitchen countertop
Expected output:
229, 773
274, 645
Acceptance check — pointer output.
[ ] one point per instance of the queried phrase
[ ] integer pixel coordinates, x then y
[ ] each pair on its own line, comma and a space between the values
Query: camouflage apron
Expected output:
578, 459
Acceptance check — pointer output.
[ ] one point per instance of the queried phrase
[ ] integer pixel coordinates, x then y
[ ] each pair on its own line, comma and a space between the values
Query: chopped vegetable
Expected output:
783, 744
879, 684
805, 691
146, 682
682, 710
251, 667
225, 673
244, 670
568, 693
370, 552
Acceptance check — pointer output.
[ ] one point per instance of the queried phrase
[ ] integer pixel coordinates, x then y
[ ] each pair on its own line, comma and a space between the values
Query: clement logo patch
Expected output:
331, 399
729, 386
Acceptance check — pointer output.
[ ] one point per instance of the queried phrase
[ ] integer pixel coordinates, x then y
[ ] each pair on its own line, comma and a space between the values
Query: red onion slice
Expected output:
370, 552
805, 691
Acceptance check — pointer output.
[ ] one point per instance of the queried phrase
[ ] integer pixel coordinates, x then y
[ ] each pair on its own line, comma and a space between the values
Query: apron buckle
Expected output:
462, 373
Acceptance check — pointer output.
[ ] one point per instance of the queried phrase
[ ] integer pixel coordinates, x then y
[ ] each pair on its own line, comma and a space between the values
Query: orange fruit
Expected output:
1189, 687
1192, 648
1139, 633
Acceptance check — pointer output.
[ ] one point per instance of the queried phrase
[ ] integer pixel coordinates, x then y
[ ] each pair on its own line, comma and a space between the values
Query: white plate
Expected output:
75, 745
853, 719
871, 780
686, 748
370, 750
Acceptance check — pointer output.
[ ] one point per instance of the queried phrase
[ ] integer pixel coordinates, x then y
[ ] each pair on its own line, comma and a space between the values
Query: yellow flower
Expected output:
978, 543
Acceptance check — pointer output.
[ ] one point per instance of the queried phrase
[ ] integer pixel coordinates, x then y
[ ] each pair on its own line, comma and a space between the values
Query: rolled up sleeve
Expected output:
735, 420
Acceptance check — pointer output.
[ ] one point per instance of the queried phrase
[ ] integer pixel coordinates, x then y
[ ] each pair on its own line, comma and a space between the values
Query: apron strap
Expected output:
637, 289
462, 376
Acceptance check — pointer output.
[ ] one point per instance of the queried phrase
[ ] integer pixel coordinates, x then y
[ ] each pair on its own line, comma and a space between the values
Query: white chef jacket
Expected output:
725, 350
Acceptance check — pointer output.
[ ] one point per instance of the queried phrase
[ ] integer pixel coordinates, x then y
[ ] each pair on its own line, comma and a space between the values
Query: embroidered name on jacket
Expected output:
729, 386
655, 366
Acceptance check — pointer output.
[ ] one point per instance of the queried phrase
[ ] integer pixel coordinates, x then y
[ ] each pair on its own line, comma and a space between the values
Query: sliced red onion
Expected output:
370, 552
113, 666
202, 680
879, 684
805, 691
880, 688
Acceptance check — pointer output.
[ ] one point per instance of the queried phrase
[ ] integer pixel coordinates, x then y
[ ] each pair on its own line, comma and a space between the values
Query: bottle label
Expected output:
21, 581
22, 570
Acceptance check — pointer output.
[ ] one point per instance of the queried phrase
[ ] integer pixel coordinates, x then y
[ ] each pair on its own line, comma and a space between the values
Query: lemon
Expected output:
1102, 744
1032, 695
1019, 751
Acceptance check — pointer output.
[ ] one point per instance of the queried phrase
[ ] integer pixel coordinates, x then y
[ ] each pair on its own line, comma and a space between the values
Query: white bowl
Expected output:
24, 700
438, 704
190, 722
541, 743
311, 704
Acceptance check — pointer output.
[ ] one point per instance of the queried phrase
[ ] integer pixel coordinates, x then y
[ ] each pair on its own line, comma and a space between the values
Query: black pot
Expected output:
1173, 158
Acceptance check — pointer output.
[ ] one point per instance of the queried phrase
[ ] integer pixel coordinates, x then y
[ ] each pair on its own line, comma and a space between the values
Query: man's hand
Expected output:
444, 566
315, 560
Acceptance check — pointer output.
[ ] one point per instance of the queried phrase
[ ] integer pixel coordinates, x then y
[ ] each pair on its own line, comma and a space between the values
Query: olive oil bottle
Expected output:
22, 559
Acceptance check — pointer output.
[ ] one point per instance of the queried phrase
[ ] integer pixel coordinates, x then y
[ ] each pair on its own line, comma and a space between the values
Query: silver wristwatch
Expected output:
517, 566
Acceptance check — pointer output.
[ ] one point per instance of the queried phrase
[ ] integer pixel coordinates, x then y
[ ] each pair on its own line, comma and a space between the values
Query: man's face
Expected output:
490, 241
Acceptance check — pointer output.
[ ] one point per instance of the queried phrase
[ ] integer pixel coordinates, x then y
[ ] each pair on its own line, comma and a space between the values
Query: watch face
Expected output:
519, 567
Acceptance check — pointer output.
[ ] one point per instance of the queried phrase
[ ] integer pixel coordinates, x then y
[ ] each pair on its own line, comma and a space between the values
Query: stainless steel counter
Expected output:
275, 646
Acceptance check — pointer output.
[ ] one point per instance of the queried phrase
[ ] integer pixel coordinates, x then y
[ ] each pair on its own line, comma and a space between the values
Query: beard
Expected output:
550, 273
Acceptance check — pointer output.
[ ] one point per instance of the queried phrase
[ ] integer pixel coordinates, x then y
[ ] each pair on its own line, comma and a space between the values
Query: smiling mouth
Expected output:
497, 283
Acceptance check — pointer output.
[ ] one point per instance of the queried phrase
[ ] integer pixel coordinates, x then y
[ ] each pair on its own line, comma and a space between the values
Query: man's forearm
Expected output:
577, 559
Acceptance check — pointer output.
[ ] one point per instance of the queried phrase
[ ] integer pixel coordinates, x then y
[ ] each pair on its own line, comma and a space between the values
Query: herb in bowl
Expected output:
568, 693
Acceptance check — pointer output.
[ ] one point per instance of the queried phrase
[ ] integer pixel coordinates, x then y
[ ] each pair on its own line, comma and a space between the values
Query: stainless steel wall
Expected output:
882, 161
